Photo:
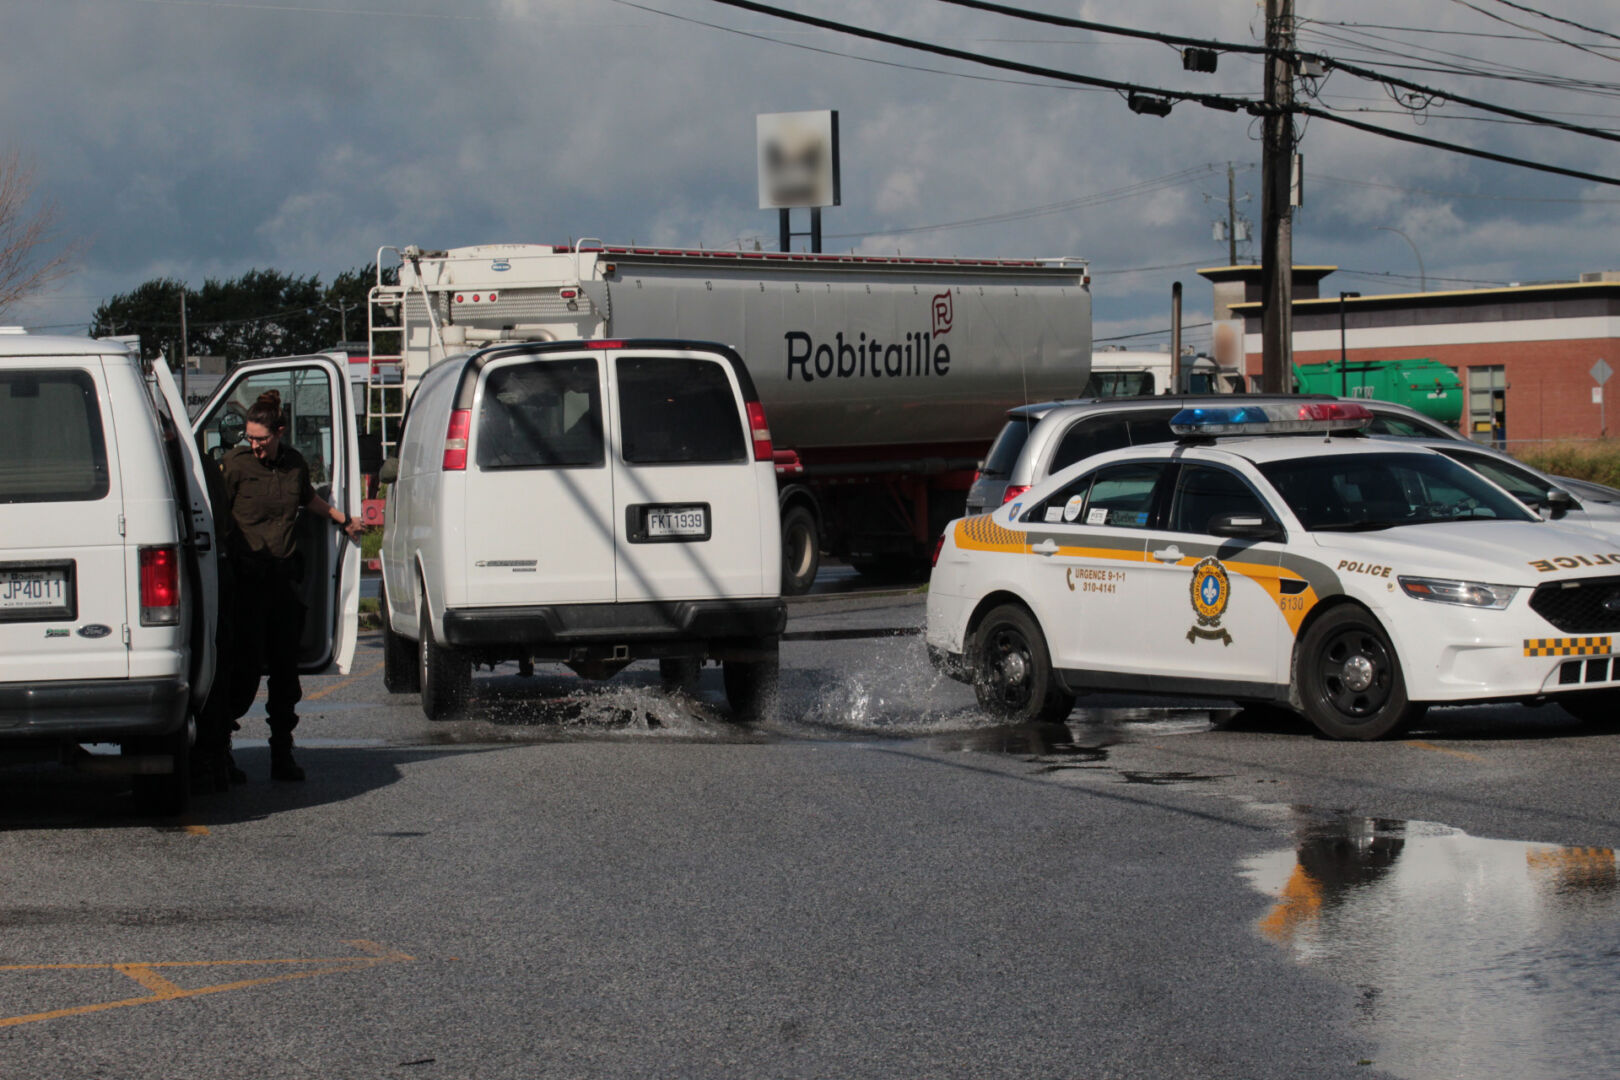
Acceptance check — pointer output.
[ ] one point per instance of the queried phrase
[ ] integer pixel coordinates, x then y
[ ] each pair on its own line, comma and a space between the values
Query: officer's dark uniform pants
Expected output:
269, 626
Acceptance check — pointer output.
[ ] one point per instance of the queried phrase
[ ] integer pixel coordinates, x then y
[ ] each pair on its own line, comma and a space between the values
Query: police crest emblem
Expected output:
1211, 589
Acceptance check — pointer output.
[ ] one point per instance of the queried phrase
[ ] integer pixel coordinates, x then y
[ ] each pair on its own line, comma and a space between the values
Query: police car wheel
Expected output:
401, 675
1599, 708
1012, 671
1349, 678
446, 676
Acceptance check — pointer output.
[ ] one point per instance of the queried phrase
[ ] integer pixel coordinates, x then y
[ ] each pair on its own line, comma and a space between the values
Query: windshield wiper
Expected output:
1359, 526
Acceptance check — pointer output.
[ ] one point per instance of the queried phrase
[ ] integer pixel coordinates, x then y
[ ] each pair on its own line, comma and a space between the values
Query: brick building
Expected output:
1524, 353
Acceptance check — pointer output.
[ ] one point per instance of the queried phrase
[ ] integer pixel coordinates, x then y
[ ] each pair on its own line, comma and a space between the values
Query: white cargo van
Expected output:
108, 601
590, 503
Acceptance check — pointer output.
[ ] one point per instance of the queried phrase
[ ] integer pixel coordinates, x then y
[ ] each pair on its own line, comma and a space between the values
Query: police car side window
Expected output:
1087, 438
1122, 495
1204, 493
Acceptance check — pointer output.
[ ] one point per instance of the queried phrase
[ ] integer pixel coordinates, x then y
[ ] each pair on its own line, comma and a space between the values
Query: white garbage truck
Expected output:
883, 379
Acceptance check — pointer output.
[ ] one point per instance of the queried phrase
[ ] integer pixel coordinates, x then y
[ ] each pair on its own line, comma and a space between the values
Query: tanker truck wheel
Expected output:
801, 551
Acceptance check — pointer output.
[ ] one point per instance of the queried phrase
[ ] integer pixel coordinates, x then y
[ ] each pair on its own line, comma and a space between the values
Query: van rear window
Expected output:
675, 410
52, 448
541, 415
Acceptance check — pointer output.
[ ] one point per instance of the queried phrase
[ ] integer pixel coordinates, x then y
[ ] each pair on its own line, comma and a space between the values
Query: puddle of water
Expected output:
1473, 957
524, 709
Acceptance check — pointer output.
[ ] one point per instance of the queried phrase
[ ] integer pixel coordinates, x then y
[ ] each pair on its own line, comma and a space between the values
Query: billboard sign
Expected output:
798, 159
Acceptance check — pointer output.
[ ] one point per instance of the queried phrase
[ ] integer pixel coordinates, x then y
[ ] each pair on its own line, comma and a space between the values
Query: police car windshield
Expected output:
1359, 492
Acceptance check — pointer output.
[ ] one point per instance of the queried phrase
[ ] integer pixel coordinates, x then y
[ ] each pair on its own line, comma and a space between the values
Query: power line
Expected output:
1560, 19
1533, 30
1151, 333
1318, 178
835, 52
1365, 73
1222, 102
1080, 202
1456, 148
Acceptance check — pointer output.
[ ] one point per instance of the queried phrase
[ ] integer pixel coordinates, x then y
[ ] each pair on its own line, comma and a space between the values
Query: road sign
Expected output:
1597, 395
1601, 371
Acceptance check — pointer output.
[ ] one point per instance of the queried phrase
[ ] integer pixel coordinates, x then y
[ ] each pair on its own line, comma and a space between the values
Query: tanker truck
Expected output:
883, 379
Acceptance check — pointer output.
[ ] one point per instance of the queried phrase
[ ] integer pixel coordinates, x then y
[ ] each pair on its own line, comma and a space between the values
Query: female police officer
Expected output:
267, 483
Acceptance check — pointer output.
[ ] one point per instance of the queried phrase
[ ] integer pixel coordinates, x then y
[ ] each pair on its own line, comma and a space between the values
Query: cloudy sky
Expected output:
201, 138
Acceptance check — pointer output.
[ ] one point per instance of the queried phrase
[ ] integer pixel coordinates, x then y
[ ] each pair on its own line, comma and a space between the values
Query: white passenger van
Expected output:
590, 503
108, 574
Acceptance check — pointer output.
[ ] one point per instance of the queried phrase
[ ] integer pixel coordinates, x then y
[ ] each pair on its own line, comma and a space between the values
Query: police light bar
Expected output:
1309, 417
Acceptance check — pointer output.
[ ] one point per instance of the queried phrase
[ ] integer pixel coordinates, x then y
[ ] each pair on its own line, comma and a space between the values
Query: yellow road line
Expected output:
323, 691
1419, 744
162, 989
197, 830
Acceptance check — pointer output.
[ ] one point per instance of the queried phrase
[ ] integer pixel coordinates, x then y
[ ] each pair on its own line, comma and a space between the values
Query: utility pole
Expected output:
182, 350
1277, 168
1231, 217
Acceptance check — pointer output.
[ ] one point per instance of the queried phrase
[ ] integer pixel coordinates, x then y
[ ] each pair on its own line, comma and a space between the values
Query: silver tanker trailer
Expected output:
883, 379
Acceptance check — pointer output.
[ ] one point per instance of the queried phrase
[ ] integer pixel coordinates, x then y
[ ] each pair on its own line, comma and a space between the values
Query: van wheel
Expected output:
680, 673
164, 794
801, 551
753, 687
1349, 678
401, 675
1012, 669
446, 676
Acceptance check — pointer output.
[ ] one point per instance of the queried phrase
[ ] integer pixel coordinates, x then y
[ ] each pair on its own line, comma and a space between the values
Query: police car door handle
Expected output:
1046, 547
1171, 554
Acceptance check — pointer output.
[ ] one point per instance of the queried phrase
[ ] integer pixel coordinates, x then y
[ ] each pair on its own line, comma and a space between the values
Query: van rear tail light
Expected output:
761, 432
939, 544
455, 440
1012, 492
160, 586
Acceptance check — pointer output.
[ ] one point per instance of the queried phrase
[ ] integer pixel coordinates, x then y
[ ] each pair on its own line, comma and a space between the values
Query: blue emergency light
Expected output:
1315, 417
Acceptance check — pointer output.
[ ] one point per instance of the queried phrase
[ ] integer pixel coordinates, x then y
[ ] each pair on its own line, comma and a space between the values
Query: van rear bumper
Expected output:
85, 710
597, 624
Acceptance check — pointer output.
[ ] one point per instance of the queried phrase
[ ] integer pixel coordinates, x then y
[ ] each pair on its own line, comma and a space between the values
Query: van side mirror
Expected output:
389, 472
1558, 502
1245, 526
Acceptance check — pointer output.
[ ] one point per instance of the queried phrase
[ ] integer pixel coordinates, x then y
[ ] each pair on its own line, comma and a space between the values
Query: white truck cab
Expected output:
590, 503
108, 572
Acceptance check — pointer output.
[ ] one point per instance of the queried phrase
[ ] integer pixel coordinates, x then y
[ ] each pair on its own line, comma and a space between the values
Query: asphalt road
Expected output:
604, 880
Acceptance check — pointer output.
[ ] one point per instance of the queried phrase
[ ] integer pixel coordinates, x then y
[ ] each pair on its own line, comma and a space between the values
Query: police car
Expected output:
1273, 555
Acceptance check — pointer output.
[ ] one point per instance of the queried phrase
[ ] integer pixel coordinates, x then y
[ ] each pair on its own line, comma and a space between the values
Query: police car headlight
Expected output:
1468, 593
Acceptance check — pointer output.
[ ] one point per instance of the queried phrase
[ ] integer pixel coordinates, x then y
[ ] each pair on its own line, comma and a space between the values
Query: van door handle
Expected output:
1048, 546
1171, 554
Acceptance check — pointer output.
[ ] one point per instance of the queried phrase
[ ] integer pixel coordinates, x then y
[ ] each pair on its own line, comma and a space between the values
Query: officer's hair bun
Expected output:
267, 411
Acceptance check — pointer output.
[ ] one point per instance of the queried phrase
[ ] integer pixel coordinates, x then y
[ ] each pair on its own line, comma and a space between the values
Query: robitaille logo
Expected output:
942, 313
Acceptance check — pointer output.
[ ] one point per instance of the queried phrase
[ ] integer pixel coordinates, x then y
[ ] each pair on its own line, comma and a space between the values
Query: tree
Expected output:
260, 313
26, 233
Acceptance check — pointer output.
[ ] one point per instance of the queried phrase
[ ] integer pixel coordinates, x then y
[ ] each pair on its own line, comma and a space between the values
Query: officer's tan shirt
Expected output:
265, 499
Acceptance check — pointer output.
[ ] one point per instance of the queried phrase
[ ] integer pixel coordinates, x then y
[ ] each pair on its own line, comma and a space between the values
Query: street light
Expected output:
1344, 367
1423, 279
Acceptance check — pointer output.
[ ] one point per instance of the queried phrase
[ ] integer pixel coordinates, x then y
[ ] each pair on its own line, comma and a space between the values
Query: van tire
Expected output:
801, 550
753, 687
680, 673
401, 673
164, 794
446, 676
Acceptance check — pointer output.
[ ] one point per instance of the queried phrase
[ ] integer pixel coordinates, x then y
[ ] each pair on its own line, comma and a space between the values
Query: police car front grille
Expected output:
1585, 606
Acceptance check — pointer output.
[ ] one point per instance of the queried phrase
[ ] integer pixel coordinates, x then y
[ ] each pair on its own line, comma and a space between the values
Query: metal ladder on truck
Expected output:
388, 334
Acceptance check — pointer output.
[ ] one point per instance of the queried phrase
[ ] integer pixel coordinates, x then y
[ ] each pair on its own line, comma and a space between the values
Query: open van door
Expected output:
317, 399
197, 533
